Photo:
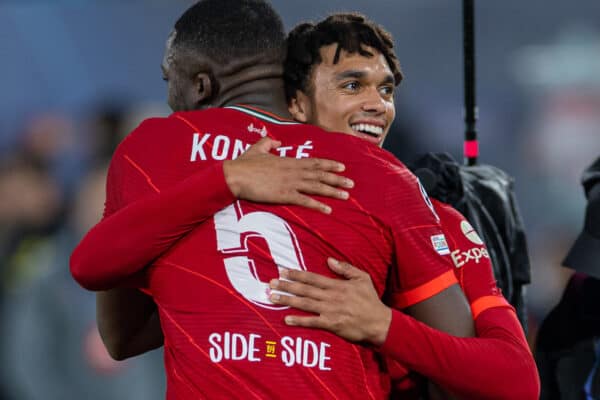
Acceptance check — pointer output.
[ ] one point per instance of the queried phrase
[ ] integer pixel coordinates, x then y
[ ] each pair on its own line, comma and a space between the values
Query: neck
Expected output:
259, 85
266, 94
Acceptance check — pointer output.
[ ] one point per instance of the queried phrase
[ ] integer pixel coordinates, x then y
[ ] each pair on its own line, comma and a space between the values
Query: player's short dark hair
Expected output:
351, 31
224, 30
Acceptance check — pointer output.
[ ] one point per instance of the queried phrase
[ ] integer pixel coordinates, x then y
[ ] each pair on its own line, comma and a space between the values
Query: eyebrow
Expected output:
389, 79
350, 74
356, 74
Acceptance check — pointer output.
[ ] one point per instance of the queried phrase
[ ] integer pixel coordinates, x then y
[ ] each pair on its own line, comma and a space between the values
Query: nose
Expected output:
373, 102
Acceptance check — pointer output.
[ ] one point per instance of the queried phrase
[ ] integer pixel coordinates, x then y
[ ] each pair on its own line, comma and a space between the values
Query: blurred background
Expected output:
78, 75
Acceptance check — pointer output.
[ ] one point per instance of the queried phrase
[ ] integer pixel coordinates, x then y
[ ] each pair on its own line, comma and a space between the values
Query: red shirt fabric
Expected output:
469, 367
472, 264
223, 338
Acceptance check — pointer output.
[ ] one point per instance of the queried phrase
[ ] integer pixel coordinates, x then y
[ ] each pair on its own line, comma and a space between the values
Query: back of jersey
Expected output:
223, 337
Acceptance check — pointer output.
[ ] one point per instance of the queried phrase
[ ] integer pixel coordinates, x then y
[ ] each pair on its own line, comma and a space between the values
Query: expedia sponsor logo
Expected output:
460, 258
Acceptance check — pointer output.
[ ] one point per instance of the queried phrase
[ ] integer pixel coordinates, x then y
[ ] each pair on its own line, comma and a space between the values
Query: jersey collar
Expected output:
262, 114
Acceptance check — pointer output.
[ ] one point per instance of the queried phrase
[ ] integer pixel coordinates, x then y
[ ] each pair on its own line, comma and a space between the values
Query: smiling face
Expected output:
353, 96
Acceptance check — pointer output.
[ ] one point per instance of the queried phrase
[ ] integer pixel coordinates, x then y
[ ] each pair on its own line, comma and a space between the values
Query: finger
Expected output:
321, 189
264, 145
308, 278
299, 303
345, 269
306, 321
322, 164
275, 144
305, 201
297, 289
328, 178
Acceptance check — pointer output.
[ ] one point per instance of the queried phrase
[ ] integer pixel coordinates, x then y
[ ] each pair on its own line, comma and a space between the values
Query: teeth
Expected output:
367, 128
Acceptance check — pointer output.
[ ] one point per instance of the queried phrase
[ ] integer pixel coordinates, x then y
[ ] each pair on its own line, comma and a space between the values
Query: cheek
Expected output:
391, 111
337, 108
171, 98
178, 96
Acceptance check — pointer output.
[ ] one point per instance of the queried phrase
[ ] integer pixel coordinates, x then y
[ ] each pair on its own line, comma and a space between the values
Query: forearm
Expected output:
472, 368
147, 338
131, 238
128, 322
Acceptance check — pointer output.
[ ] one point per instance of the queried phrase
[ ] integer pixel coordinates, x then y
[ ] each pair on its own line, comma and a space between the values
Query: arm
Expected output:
128, 322
499, 355
149, 224
125, 242
351, 309
127, 319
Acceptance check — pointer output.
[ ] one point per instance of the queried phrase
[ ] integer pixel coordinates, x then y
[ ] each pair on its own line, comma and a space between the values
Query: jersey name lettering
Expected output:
221, 148
225, 148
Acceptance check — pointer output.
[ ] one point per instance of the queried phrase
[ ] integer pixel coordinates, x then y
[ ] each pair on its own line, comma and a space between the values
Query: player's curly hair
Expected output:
351, 31
231, 29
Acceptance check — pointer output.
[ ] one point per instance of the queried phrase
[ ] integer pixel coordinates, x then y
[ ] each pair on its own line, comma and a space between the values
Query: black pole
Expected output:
471, 146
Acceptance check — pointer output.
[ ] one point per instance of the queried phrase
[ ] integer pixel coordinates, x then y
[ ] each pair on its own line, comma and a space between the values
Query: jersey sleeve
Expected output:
499, 353
472, 263
474, 368
141, 221
422, 264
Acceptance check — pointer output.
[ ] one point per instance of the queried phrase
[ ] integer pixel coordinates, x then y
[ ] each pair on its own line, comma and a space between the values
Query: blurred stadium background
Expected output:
78, 75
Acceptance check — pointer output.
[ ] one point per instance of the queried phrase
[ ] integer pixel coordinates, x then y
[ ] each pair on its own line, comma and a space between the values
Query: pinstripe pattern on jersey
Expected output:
242, 300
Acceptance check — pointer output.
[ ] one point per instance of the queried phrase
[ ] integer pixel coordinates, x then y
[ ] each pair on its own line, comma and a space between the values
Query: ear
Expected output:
299, 107
203, 88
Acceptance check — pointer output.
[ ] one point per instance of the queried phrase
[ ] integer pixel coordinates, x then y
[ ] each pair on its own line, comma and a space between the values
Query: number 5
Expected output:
232, 238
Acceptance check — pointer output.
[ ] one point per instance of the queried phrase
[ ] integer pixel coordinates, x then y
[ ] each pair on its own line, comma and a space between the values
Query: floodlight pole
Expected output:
471, 145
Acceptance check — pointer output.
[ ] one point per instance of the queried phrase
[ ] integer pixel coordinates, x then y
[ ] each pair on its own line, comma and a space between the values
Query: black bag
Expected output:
484, 195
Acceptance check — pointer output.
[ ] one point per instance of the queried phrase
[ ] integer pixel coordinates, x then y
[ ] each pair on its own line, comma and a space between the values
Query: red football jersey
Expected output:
473, 269
473, 266
223, 337
498, 354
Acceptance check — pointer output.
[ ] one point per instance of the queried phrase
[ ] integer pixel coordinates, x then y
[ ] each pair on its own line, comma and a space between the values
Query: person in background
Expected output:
568, 345
50, 345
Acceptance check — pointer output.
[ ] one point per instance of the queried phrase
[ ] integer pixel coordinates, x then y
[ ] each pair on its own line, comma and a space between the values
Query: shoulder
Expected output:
198, 119
453, 221
158, 127
447, 213
185, 121
149, 128
380, 163
153, 133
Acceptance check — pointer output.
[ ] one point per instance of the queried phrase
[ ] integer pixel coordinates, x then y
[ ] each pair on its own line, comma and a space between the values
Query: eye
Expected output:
387, 90
351, 86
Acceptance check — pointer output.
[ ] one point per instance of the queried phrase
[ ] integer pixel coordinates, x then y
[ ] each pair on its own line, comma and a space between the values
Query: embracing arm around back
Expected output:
468, 367
142, 222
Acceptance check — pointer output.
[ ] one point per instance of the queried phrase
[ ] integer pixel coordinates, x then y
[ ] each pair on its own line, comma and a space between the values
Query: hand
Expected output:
262, 177
350, 307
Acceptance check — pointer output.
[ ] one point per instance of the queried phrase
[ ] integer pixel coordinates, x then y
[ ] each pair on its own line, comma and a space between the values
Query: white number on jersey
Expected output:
233, 230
